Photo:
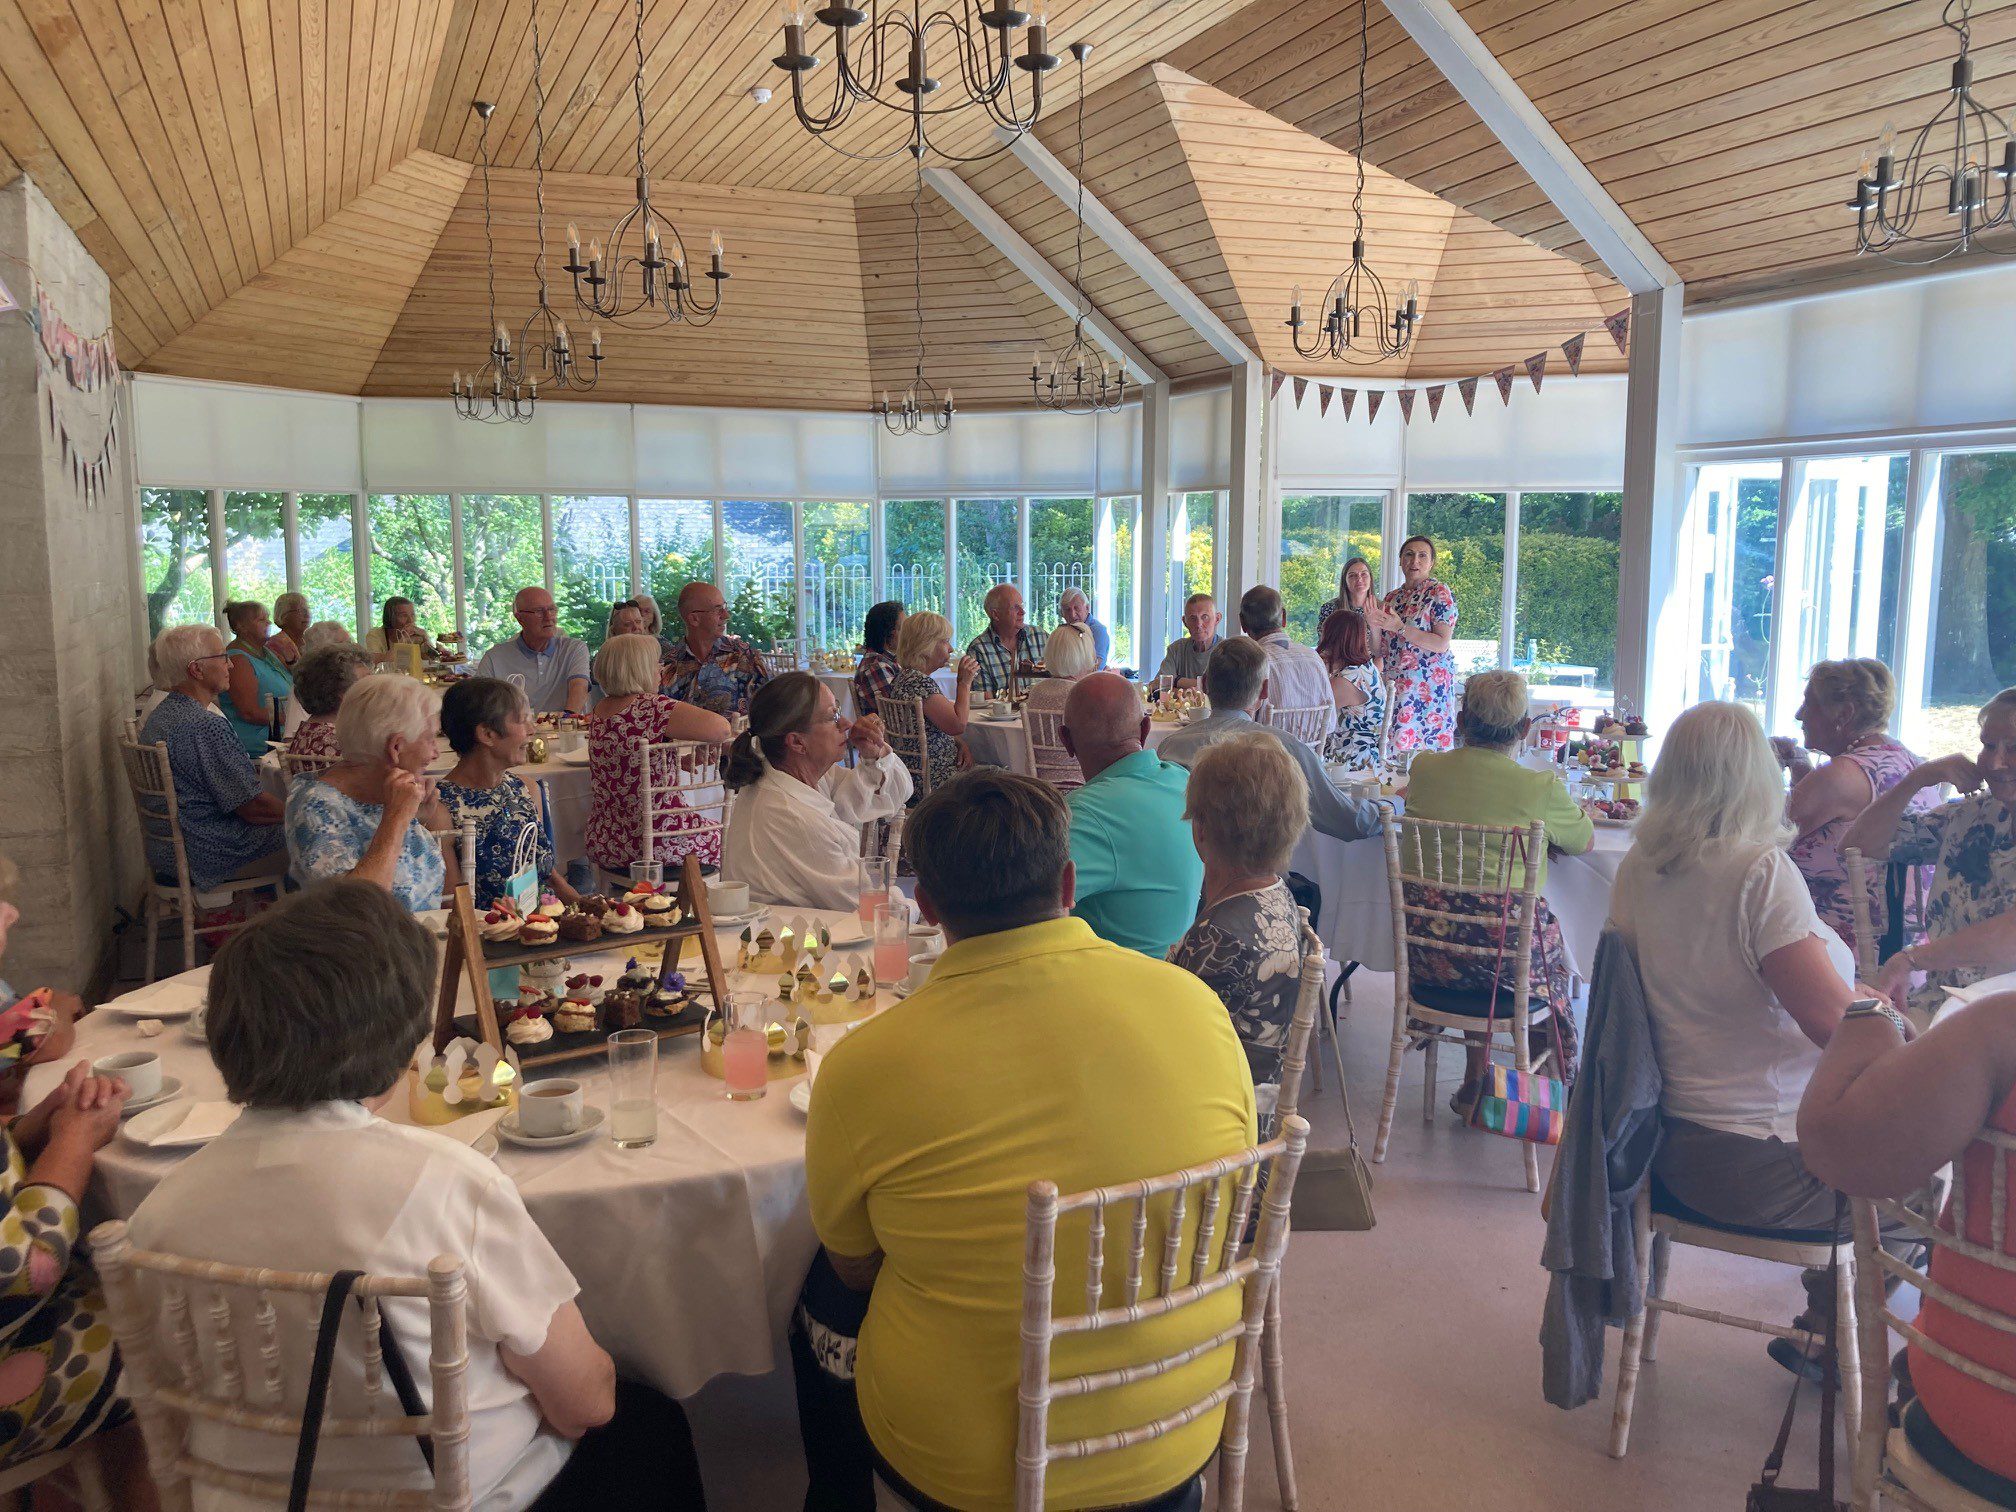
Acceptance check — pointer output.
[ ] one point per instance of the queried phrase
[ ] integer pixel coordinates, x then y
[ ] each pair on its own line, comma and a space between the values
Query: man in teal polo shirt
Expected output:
1138, 872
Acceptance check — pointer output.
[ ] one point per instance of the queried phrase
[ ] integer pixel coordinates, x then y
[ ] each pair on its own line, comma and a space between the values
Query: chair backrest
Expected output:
1906, 922
682, 776
787, 654
182, 1325
1185, 1205
1447, 879
153, 786
292, 766
1043, 736
1876, 1319
1308, 1003
1310, 725
903, 726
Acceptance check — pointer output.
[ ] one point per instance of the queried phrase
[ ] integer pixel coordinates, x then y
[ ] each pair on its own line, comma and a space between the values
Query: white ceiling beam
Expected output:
1481, 79
1128, 247
1032, 265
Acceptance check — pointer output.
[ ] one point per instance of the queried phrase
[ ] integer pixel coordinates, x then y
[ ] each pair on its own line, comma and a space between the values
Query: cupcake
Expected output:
1637, 728
659, 911
622, 919
585, 986
639, 891
528, 1028
550, 906
575, 1015
620, 1010
668, 1001
538, 930
501, 923
592, 904
580, 928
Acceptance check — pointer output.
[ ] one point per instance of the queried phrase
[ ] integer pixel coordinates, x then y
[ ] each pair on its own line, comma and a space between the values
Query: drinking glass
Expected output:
745, 1052
633, 1085
876, 879
647, 871
891, 925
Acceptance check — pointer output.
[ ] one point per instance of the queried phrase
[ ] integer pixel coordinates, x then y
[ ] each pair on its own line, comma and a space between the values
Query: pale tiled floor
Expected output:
1413, 1361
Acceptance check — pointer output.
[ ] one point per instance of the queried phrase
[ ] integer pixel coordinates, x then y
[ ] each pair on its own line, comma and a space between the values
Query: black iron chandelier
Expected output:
920, 410
982, 42
500, 390
629, 280
544, 346
1948, 188
1359, 322
1078, 380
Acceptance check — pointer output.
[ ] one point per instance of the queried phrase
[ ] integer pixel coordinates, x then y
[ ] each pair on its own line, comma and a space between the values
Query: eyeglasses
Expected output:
213, 656
547, 613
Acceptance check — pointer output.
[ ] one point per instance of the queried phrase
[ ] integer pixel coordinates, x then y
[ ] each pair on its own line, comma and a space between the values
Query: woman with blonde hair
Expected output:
1843, 716
290, 623
923, 645
259, 678
631, 715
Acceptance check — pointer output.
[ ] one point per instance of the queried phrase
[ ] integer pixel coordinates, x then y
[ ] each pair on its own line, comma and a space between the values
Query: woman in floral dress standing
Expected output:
1419, 621
633, 715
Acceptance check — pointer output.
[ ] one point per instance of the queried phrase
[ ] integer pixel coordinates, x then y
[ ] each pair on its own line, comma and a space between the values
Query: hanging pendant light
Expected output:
1079, 380
500, 390
628, 279
920, 410
545, 345
1953, 181
1359, 322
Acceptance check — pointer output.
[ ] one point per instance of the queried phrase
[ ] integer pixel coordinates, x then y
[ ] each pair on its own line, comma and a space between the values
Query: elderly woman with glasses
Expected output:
488, 722
794, 833
373, 814
230, 823
291, 615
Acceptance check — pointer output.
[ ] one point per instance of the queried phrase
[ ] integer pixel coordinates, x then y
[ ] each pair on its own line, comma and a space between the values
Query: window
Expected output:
412, 556
1971, 651
1319, 534
175, 557
1193, 539
591, 563
502, 551
1842, 546
913, 553
988, 553
255, 551
1733, 519
839, 578
675, 544
1564, 620
1060, 558
328, 557
758, 571
1468, 530
1120, 531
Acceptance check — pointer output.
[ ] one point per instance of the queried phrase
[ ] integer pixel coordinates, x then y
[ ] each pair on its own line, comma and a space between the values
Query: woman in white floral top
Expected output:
1247, 805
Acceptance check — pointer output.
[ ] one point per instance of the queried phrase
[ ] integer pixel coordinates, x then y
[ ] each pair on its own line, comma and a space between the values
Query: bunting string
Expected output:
82, 365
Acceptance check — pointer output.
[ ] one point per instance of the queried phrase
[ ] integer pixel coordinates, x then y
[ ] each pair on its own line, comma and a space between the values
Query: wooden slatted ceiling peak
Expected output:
319, 315
191, 144
793, 334
701, 59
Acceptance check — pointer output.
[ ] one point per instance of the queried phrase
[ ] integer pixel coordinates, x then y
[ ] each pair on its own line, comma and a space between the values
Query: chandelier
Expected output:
980, 39
500, 389
631, 282
921, 410
1934, 201
544, 345
1357, 296
1105, 388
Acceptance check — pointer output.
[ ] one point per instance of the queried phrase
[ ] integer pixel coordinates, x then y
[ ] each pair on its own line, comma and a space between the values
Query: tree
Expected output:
175, 542
1973, 630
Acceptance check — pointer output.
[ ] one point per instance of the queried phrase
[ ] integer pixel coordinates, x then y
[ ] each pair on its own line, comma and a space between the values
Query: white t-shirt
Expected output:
1730, 1056
335, 1187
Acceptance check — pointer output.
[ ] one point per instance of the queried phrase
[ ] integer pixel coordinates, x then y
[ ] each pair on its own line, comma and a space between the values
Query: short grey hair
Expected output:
1073, 596
1233, 673
1247, 802
326, 633
653, 620
377, 708
1494, 706
628, 664
2002, 703
179, 645
324, 675
287, 603
995, 596
1261, 611
321, 998
1070, 651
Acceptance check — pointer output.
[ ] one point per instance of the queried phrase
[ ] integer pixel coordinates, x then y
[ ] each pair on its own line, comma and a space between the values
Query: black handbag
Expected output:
316, 1402
1767, 1495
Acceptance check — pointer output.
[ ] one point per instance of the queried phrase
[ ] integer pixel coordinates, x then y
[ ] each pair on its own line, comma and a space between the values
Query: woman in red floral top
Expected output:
632, 715
321, 678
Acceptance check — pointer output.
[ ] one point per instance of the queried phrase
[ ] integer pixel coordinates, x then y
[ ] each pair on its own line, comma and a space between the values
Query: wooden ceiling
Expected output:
281, 190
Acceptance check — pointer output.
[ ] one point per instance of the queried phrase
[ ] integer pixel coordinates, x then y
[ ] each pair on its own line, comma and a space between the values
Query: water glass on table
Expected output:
876, 881
890, 928
647, 871
745, 1051
633, 1088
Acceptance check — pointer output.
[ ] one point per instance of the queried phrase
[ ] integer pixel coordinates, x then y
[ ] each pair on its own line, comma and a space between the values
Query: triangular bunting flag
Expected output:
1406, 397
1467, 387
1617, 325
1350, 397
1536, 369
1373, 399
1301, 386
1323, 396
1572, 350
1503, 378
1274, 384
7, 300
1434, 392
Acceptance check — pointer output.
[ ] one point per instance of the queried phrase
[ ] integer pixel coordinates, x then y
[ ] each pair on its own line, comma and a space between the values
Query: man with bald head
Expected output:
710, 667
1007, 644
1138, 872
553, 667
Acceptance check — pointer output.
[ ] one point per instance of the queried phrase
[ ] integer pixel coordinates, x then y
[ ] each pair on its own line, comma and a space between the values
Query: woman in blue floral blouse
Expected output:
487, 722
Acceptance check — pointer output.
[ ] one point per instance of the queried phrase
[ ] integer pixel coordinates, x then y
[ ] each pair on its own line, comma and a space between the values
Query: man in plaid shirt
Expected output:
1005, 640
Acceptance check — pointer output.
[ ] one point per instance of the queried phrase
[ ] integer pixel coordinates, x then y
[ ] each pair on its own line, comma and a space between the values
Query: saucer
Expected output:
729, 921
143, 1005
171, 1086
508, 1131
801, 1096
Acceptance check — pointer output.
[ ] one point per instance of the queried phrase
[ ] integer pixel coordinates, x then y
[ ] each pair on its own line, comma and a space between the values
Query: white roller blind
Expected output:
1569, 435
1201, 440
1316, 448
217, 435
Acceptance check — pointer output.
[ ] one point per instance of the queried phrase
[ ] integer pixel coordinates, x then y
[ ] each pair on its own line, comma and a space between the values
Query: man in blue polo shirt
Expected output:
1138, 872
553, 667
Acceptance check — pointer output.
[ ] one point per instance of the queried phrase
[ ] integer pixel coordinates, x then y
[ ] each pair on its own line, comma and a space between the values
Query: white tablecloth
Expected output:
999, 742
842, 684
1357, 922
689, 1253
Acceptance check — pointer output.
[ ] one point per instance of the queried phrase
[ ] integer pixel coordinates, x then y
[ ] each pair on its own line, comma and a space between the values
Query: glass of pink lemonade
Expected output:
891, 926
745, 1053
877, 880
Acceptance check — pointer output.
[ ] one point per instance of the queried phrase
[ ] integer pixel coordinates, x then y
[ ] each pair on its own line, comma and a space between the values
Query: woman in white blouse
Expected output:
794, 830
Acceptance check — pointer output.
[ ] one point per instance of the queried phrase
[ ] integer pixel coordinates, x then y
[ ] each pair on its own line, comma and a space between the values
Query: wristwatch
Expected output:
1877, 1008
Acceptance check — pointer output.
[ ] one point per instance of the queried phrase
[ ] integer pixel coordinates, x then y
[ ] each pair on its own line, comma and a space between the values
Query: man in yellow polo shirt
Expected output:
1036, 1051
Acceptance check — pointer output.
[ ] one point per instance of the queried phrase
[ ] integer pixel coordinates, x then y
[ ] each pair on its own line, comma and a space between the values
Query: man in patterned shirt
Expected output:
711, 668
1006, 639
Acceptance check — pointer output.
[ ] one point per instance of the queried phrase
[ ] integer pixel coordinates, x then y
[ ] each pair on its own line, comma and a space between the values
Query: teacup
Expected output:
730, 897
553, 1106
139, 1069
920, 969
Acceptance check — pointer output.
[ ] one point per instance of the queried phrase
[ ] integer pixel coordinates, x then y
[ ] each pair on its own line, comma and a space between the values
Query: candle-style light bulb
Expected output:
794, 14
714, 244
595, 340
573, 238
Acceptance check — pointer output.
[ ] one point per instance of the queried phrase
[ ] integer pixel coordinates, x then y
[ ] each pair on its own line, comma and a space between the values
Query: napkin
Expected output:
202, 1122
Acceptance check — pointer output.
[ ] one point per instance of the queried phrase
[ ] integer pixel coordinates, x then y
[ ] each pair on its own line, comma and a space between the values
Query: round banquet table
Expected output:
1000, 742
842, 684
689, 1253
1357, 921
